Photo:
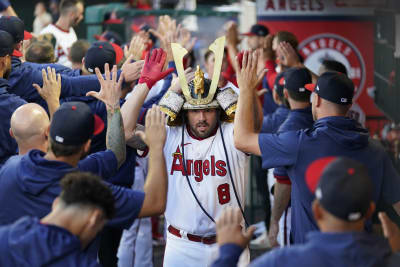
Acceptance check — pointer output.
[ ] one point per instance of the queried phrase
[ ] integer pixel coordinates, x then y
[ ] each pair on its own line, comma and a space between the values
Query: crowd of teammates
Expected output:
97, 138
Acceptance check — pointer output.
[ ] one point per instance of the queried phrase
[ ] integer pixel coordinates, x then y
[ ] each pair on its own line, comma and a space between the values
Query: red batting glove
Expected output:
152, 69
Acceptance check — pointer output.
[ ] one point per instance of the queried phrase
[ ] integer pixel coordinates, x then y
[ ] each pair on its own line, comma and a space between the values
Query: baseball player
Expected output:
206, 172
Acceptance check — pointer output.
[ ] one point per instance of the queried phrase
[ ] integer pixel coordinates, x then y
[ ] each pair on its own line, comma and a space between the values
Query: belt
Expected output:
209, 240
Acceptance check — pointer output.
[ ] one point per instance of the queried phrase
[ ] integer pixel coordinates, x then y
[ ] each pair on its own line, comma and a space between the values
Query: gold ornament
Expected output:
198, 82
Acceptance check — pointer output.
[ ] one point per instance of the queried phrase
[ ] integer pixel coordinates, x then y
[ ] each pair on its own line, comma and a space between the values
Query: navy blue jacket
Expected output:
297, 119
58, 68
272, 121
8, 104
269, 105
29, 243
330, 136
30, 183
321, 249
23, 75
126, 173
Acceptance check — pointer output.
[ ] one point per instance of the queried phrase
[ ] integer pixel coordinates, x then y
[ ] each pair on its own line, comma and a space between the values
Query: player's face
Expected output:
202, 122
78, 16
253, 42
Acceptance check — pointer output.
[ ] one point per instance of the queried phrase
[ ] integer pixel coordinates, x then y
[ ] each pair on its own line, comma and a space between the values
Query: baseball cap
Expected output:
257, 30
335, 87
74, 123
100, 53
16, 27
342, 186
296, 79
6, 44
279, 84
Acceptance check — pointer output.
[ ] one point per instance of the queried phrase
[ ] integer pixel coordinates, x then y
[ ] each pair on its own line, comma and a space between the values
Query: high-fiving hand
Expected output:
155, 129
246, 73
229, 230
51, 89
153, 66
110, 91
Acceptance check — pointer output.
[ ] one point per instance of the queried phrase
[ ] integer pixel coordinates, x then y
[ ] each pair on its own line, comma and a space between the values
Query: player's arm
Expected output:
150, 75
281, 201
110, 94
245, 136
156, 185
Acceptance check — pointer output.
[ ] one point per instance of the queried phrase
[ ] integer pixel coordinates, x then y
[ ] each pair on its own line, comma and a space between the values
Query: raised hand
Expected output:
246, 74
229, 230
51, 89
175, 84
288, 55
131, 70
155, 129
186, 40
136, 48
153, 66
232, 34
110, 91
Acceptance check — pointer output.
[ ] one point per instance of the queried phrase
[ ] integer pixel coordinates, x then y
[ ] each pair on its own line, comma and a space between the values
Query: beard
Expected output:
202, 133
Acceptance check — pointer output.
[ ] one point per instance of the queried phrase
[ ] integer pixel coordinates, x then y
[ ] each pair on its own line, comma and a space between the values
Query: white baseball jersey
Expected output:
208, 173
64, 41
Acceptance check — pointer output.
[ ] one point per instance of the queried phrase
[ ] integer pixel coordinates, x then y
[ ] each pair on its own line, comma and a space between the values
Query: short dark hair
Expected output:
207, 55
284, 36
40, 52
84, 188
60, 150
78, 51
67, 5
333, 65
300, 96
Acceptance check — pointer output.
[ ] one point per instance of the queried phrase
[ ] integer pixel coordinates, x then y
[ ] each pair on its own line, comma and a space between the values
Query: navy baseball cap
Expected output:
6, 44
296, 79
257, 30
16, 27
342, 186
279, 84
335, 87
100, 53
74, 123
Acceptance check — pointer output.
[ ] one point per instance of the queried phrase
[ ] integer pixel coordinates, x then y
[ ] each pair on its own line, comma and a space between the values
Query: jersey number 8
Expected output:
224, 195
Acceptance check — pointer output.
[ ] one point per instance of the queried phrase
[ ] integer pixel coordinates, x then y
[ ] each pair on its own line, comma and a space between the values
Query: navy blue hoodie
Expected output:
23, 75
321, 250
29, 243
8, 104
296, 120
272, 121
330, 136
30, 183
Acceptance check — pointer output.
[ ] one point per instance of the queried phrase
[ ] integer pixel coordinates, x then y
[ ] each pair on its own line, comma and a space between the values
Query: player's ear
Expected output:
285, 93
316, 209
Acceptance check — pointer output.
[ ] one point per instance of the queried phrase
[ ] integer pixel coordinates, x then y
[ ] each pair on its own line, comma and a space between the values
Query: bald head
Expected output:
29, 121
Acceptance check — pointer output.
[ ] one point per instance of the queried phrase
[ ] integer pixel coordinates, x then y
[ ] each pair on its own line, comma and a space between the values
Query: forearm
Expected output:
156, 184
53, 106
244, 119
115, 139
258, 114
232, 52
281, 201
131, 108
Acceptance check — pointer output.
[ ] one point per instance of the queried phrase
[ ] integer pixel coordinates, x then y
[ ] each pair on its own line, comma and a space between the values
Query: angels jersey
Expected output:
208, 173
64, 41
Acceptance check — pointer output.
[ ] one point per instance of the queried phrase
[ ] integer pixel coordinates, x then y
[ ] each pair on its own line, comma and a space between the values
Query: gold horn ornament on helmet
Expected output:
217, 47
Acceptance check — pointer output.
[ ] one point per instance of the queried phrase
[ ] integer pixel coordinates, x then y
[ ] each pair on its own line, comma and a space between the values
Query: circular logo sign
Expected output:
317, 48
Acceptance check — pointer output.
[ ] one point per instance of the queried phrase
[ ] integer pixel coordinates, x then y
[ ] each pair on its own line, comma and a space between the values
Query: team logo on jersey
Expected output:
331, 46
197, 168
